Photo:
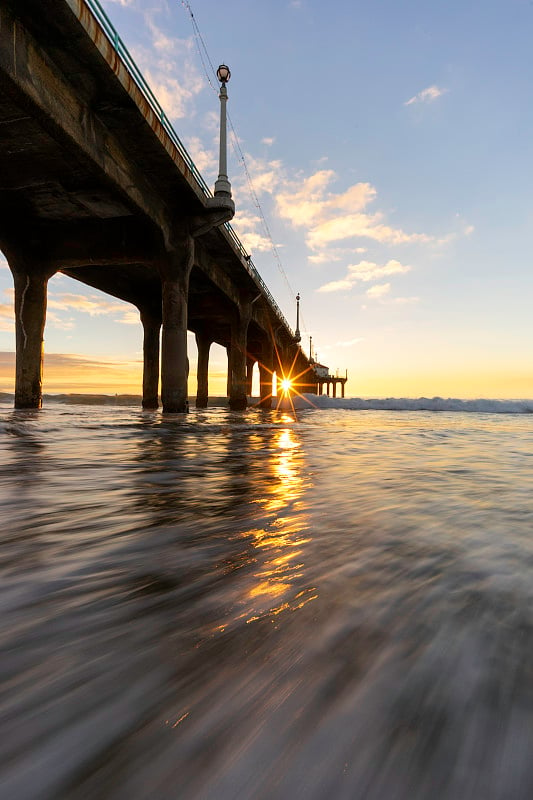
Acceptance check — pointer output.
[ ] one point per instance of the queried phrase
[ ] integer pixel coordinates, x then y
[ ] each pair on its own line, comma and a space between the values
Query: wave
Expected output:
418, 404
308, 401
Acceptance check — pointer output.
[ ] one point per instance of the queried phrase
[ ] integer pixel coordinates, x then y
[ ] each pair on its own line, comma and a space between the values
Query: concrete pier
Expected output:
30, 318
104, 192
203, 344
174, 362
152, 331
237, 359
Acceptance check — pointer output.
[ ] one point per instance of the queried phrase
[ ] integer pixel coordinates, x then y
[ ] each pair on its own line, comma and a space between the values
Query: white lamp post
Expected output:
297, 336
222, 185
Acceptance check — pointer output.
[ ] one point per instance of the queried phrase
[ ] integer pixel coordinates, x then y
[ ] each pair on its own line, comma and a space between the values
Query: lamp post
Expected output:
297, 337
222, 185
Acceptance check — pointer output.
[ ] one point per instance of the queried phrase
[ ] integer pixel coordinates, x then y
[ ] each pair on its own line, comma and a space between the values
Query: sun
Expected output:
286, 385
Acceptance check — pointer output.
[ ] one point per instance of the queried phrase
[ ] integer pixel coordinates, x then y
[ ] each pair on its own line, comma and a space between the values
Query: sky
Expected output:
390, 147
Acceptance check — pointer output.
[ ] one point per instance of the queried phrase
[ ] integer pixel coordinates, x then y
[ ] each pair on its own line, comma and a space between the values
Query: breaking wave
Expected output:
419, 404
479, 406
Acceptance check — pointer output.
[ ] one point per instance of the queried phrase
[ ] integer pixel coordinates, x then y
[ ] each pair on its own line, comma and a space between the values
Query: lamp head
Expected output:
223, 73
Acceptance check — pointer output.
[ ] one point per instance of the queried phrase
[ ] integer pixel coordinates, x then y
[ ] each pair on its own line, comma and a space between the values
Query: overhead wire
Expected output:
204, 57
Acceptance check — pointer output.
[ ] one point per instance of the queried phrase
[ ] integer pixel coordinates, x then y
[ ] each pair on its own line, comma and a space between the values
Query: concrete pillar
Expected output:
265, 386
203, 342
228, 381
152, 329
265, 374
30, 317
334, 388
342, 390
237, 360
175, 268
250, 362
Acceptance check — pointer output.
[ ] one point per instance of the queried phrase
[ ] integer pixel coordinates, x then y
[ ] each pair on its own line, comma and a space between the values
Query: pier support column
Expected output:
30, 318
250, 362
228, 379
175, 269
152, 329
334, 388
237, 359
265, 375
203, 343
265, 384
342, 390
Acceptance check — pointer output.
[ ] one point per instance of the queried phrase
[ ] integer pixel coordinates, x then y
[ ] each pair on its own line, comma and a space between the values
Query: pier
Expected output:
97, 185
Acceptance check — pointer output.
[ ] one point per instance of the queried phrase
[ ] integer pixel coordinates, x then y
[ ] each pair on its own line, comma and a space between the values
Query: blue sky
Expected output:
390, 146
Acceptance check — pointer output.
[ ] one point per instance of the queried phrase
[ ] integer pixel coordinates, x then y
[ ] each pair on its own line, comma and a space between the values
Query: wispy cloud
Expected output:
165, 58
331, 218
268, 140
248, 228
334, 224
93, 305
379, 290
205, 160
365, 271
426, 95
7, 317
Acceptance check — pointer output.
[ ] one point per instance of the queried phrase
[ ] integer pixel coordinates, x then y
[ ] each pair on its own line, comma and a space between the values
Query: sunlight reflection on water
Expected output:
332, 604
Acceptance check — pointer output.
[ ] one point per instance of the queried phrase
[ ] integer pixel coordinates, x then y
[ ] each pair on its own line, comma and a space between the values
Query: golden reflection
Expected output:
280, 544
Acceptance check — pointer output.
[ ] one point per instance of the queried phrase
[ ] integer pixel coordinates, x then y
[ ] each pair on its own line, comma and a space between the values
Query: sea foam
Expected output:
418, 404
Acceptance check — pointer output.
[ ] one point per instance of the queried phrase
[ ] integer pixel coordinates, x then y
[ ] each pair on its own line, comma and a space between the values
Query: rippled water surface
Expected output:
336, 604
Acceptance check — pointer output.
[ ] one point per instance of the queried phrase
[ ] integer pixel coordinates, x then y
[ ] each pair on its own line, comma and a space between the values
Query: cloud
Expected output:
365, 271
205, 160
379, 290
334, 254
7, 359
7, 317
333, 223
93, 304
336, 217
165, 58
268, 140
247, 228
129, 317
266, 175
426, 95
57, 322
336, 286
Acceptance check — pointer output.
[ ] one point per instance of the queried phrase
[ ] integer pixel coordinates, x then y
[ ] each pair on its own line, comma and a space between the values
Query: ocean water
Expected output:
331, 603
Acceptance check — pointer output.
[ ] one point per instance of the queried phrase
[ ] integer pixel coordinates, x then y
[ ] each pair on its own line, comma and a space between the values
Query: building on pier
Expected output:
328, 382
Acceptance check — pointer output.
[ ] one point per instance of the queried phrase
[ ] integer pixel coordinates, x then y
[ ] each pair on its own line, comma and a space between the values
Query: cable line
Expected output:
204, 57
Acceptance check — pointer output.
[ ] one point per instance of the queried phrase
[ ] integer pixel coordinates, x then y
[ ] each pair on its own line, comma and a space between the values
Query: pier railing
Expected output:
137, 76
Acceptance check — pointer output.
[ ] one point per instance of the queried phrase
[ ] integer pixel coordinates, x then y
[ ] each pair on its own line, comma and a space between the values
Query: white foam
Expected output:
418, 404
